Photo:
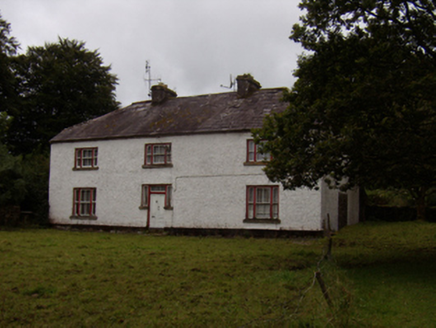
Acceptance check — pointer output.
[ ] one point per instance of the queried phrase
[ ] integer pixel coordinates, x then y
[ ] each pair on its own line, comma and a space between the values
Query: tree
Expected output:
24, 183
12, 184
35, 172
363, 108
5, 121
8, 49
60, 84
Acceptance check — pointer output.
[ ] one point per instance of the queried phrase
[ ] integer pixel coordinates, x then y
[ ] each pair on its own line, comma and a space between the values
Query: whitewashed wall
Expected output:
208, 177
353, 206
330, 205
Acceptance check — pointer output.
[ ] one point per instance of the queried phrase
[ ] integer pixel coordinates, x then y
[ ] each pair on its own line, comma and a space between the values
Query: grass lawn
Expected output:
381, 275
392, 270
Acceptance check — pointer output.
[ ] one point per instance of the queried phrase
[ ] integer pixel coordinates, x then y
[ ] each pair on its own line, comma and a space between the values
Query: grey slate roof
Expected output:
222, 112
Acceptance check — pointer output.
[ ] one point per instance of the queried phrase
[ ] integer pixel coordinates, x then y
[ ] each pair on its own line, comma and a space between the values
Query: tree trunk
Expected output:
362, 204
420, 204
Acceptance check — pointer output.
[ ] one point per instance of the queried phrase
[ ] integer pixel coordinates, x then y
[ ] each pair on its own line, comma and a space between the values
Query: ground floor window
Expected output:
84, 202
163, 189
262, 202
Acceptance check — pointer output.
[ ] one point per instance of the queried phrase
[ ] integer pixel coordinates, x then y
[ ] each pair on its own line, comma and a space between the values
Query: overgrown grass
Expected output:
381, 275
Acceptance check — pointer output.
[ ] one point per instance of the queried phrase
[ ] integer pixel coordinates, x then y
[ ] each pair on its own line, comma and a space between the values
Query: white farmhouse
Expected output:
183, 164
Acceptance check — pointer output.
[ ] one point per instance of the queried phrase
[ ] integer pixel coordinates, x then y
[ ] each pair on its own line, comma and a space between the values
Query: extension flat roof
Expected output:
221, 112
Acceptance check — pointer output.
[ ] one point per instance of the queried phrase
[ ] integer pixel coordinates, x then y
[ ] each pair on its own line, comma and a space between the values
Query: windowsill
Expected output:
155, 166
85, 168
255, 163
74, 217
271, 221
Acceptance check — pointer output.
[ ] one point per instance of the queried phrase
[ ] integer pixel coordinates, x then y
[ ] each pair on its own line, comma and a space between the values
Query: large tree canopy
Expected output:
363, 109
8, 48
42, 92
60, 84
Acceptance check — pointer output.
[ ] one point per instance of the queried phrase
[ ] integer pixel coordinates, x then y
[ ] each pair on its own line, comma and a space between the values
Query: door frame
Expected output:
150, 192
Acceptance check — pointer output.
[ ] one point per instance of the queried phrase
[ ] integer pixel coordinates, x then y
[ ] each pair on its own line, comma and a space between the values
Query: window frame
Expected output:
167, 155
265, 158
147, 191
253, 205
79, 158
78, 201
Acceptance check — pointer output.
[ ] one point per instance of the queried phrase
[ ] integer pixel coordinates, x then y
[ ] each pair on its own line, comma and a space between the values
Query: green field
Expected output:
381, 275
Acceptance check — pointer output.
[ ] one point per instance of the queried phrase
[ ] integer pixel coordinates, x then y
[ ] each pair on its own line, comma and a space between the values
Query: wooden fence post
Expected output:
328, 234
323, 288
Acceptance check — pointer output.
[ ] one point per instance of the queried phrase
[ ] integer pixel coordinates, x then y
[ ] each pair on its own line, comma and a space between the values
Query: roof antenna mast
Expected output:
148, 77
232, 84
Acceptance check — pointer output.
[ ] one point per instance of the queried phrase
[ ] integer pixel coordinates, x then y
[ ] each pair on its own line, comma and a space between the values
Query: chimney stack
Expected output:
160, 93
247, 85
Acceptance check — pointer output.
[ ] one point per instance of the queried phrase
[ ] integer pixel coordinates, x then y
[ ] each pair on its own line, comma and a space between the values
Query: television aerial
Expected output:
148, 78
232, 84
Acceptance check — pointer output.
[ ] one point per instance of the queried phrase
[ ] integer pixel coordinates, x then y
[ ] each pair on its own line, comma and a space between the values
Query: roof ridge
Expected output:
180, 116
207, 95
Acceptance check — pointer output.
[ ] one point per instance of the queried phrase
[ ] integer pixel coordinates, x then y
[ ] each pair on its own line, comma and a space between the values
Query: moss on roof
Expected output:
213, 113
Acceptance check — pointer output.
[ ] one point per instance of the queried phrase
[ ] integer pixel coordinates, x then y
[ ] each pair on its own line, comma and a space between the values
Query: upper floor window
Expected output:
254, 154
262, 203
158, 155
86, 158
84, 202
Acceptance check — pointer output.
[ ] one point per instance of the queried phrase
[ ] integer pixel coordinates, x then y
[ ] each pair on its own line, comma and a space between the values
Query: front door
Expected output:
157, 205
158, 201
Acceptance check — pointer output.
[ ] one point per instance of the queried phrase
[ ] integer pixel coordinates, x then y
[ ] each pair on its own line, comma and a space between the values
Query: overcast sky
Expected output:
192, 45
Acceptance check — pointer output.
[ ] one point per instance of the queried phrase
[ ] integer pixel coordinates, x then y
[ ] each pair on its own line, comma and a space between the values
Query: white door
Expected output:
157, 210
